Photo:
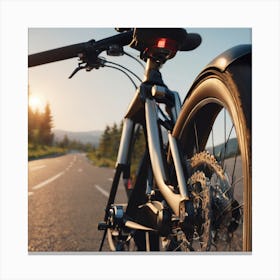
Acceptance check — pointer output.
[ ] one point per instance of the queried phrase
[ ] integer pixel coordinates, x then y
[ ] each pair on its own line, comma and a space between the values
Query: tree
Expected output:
34, 131
40, 126
31, 124
45, 126
115, 140
105, 142
65, 142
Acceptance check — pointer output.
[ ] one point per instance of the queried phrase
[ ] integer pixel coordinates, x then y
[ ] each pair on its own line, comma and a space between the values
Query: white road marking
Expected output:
70, 165
46, 182
37, 167
110, 179
102, 191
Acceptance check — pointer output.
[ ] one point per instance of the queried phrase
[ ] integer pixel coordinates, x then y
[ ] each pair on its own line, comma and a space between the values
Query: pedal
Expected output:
102, 226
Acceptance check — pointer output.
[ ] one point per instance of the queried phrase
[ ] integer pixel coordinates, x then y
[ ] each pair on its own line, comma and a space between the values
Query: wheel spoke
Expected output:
196, 137
234, 166
225, 132
213, 145
226, 140
237, 181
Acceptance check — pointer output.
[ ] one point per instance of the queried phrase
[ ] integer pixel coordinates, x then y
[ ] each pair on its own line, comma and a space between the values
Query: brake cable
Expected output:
137, 60
123, 67
113, 67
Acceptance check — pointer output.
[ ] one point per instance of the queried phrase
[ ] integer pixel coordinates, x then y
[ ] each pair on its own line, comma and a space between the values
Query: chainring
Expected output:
222, 210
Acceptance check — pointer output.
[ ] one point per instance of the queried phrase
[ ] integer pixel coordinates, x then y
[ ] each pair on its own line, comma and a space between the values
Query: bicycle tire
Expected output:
213, 92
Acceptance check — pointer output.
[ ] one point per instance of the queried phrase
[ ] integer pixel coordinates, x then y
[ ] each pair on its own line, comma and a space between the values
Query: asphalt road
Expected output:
66, 200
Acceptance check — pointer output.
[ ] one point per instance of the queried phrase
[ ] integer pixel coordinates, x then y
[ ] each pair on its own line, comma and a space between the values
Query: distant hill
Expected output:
84, 137
93, 137
231, 149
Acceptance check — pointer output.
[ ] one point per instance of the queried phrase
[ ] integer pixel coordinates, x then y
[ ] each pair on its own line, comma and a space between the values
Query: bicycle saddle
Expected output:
149, 41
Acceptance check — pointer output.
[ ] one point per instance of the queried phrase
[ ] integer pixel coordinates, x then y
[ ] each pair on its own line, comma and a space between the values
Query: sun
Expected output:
35, 102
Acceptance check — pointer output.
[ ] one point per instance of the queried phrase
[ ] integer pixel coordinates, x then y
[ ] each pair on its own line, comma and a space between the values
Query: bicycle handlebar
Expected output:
137, 38
72, 51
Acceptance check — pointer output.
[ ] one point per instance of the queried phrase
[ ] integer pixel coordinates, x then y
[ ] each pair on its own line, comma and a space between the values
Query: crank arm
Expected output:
134, 225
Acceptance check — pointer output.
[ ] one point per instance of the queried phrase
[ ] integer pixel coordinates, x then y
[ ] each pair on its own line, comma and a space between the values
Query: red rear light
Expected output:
165, 48
162, 49
161, 43
168, 44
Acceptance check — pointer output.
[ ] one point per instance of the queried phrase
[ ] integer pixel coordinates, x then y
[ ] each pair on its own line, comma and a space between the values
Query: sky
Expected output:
92, 100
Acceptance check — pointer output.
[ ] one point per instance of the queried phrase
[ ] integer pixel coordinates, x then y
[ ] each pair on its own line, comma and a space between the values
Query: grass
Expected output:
97, 160
41, 151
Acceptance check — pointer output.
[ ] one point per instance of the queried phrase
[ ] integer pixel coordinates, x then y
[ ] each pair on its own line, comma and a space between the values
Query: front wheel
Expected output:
214, 132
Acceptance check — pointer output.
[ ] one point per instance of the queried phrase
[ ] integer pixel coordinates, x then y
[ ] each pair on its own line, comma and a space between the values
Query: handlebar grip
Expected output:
55, 54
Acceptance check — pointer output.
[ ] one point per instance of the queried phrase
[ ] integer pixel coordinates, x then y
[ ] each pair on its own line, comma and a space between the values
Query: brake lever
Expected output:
92, 64
76, 70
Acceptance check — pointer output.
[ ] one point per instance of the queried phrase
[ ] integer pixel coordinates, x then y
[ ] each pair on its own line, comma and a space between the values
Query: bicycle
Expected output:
188, 190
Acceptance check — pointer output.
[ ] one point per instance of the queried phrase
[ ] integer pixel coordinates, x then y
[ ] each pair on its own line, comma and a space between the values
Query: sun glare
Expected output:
35, 103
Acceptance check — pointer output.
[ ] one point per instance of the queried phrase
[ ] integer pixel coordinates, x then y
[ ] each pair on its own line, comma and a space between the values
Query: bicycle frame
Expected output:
146, 101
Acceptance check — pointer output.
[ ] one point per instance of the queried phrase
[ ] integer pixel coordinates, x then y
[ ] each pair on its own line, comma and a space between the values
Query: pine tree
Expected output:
105, 142
45, 127
31, 124
65, 142
115, 141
